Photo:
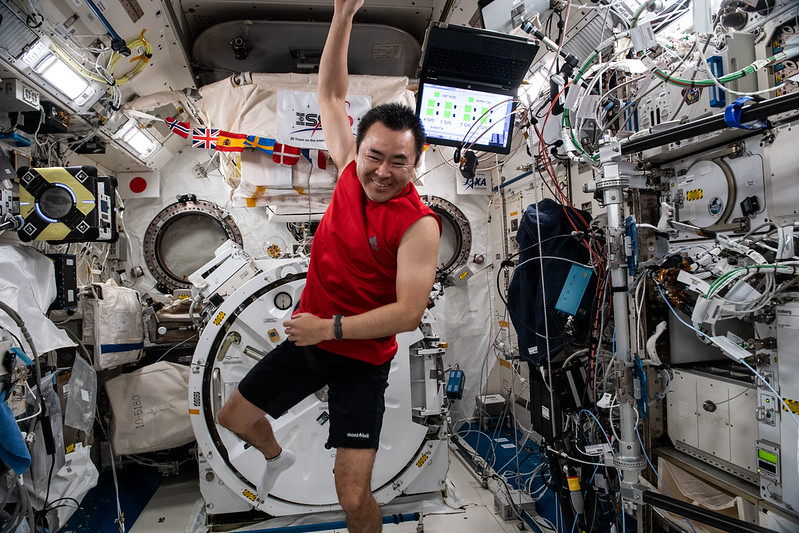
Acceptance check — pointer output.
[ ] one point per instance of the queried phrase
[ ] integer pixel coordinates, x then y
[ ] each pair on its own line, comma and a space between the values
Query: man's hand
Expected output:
347, 7
305, 329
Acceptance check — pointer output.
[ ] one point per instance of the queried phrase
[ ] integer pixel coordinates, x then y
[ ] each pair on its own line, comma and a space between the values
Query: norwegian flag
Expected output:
318, 158
284, 154
204, 138
179, 128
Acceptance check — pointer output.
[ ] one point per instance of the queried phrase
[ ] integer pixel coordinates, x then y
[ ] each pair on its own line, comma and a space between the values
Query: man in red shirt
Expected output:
373, 264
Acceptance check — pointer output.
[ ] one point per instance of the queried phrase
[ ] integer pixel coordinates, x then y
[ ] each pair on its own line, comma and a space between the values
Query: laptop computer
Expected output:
482, 57
468, 82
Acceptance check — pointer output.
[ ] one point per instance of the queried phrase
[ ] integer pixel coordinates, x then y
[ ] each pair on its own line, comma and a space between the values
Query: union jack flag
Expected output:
285, 154
204, 138
318, 158
179, 128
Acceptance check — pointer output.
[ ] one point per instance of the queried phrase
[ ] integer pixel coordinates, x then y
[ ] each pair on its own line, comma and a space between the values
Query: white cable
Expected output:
120, 516
552, 416
34, 415
566, 456
718, 84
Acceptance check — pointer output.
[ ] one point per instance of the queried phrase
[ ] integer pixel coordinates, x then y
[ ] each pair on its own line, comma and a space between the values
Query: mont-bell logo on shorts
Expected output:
373, 242
358, 435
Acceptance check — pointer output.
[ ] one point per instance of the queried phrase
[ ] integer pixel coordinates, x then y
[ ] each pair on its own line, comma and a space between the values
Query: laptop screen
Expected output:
461, 116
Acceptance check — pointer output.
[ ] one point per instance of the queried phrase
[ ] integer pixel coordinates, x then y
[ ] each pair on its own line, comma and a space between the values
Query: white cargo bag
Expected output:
150, 407
112, 323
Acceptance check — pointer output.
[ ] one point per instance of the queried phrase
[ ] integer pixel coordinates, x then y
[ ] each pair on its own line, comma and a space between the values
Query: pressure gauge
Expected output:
283, 300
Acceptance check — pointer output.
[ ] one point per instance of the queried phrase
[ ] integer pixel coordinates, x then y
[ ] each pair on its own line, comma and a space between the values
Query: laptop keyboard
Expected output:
489, 69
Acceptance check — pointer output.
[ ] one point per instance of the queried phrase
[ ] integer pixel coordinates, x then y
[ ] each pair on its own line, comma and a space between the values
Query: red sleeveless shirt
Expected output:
353, 266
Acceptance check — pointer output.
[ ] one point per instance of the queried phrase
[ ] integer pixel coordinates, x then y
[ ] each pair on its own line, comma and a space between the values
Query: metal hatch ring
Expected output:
208, 217
455, 222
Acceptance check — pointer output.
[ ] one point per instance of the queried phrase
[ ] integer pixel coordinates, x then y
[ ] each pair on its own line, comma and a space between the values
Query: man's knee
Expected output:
354, 498
226, 416
233, 412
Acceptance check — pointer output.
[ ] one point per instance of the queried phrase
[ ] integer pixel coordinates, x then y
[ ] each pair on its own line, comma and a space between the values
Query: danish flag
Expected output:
204, 138
286, 155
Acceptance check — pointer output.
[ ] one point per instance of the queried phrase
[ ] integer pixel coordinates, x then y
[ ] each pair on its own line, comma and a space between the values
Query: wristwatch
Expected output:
337, 327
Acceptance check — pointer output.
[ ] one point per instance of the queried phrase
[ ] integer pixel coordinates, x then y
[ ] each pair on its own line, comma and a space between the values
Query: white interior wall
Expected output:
464, 312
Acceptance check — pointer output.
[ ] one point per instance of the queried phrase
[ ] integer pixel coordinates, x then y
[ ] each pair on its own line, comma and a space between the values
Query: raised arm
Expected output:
333, 80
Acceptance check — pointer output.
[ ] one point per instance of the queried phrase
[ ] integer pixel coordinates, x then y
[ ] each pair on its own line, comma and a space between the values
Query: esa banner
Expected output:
298, 119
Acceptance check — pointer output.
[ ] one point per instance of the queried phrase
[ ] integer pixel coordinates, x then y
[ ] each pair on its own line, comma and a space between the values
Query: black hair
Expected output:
395, 117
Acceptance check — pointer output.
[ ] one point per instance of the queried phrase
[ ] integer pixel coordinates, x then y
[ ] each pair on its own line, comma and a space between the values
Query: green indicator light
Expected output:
431, 103
447, 114
767, 456
448, 105
467, 117
467, 108
436, 94
471, 98
430, 112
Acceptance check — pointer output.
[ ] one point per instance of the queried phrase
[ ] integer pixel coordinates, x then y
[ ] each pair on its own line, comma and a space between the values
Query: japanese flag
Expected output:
138, 184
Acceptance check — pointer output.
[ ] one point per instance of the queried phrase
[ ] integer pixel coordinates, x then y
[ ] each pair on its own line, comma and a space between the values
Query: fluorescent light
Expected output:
138, 140
125, 128
142, 143
62, 77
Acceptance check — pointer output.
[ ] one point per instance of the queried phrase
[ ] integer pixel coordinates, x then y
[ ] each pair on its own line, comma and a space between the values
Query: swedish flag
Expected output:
261, 143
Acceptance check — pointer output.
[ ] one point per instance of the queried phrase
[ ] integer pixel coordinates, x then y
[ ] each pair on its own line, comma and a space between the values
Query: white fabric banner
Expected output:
260, 170
298, 119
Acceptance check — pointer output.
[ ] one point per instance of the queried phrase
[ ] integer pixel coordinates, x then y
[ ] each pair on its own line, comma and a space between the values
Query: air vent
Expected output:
15, 35
587, 34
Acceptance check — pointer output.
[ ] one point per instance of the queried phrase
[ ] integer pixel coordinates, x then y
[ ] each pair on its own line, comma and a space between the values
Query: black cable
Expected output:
49, 481
80, 344
66, 501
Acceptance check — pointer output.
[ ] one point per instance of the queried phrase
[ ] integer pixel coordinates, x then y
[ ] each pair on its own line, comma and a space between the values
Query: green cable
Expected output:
716, 285
565, 122
681, 82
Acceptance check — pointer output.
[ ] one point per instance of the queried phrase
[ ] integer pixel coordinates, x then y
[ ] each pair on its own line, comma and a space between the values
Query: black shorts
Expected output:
356, 401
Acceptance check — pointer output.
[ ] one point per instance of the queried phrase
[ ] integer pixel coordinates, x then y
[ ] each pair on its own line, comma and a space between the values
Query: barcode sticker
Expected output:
694, 283
643, 37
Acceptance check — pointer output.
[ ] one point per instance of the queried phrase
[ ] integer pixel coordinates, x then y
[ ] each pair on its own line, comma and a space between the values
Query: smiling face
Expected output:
385, 162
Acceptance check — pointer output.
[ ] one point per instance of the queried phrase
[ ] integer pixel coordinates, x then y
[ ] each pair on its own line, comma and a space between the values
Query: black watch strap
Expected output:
337, 327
